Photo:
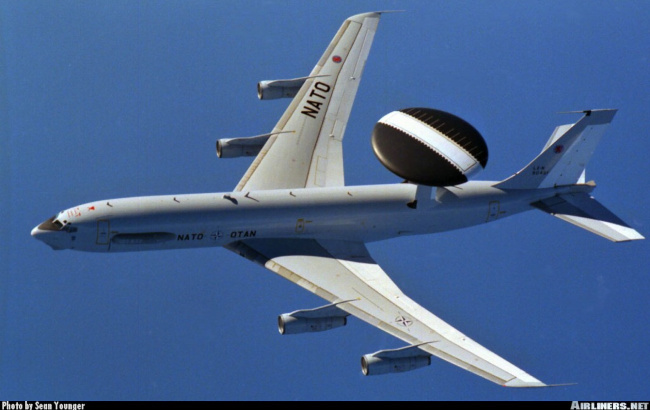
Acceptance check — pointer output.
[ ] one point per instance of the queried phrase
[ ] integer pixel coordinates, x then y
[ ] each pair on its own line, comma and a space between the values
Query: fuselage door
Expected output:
103, 232
493, 211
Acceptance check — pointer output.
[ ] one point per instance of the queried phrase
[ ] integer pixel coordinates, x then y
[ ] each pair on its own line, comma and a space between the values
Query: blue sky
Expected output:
108, 99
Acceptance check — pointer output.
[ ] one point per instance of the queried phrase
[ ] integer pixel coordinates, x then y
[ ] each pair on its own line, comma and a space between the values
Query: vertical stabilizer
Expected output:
565, 156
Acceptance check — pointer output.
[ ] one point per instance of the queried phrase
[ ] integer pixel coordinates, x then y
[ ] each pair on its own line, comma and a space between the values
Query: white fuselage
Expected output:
354, 213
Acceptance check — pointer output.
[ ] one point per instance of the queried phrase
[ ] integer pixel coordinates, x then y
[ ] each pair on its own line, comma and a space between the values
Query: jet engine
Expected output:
400, 360
244, 146
312, 320
273, 89
429, 147
241, 147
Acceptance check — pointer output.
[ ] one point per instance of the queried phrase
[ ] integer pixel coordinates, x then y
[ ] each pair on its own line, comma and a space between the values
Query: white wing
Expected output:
307, 151
344, 271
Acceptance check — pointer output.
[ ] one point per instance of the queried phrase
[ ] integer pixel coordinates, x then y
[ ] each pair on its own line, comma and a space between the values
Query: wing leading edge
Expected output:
305, 148
340, 271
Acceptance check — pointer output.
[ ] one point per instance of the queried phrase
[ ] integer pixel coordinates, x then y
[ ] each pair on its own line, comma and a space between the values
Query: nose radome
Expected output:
51, 234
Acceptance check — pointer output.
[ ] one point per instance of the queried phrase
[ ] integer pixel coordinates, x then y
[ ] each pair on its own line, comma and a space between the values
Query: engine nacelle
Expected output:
400, 360
274, 89
312, 320
288, 324
429, 147
241, 147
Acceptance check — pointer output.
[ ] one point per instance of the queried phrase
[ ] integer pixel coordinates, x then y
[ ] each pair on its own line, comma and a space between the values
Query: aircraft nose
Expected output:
51, 234
36, 232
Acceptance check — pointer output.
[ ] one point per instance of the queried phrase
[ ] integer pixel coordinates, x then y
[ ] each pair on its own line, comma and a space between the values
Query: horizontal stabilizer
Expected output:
584, 211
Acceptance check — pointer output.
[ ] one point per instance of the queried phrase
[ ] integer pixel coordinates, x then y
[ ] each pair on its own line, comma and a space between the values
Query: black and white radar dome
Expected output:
429, 147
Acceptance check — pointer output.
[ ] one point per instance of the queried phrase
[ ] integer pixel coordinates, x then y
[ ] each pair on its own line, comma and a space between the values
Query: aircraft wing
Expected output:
305, 149
344, 272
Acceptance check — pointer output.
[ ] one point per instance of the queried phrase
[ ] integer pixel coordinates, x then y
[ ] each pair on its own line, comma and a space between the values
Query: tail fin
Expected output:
565, 156
562, 162
585, 212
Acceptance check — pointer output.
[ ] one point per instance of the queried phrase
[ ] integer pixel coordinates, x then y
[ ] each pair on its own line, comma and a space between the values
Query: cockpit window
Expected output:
51, 224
